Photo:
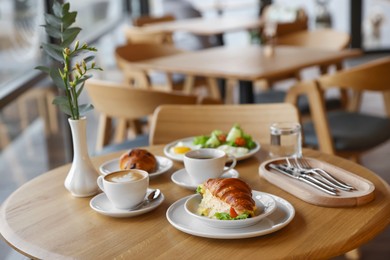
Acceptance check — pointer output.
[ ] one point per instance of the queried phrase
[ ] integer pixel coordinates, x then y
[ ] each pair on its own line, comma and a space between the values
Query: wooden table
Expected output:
42, 220
246, 64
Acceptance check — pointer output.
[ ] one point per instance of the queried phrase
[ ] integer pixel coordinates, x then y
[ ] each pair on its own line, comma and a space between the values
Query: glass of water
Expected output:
285, 140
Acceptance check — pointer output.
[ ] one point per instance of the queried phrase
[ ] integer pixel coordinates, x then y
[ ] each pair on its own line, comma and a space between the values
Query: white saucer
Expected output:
102, 205
164, 165
186, 223
182, 178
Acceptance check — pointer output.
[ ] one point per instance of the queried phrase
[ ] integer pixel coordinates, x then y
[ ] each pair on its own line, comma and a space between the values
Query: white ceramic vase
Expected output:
82, 177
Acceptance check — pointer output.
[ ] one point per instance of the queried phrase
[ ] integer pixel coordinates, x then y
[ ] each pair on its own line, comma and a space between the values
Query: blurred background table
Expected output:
245, 64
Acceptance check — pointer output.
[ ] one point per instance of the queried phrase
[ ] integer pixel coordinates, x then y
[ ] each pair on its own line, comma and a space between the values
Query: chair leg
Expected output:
386, 99
353, 254
355, 101
4, 137
213, 87
121, 131
104, 132
230, 87
189, 84
51, 112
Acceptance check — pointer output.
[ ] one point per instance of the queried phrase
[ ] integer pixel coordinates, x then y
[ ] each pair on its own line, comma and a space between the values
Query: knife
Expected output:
293, 175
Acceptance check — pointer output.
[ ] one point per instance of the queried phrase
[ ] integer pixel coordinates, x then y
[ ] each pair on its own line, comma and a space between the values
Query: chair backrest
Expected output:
283, 27
370, 76
119, 102
135, 52
320, 39
145, 35
129, 53
172, 122
145, 19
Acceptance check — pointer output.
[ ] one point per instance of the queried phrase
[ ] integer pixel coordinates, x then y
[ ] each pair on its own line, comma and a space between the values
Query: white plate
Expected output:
188, 142
264, 202
102, 205
182, 178
164, 165
184, 222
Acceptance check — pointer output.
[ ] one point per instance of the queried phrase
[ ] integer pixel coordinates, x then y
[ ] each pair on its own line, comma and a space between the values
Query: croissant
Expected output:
229, 195
138, 159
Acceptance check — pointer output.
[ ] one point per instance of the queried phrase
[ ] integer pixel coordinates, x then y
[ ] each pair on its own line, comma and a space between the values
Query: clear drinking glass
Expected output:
285, 140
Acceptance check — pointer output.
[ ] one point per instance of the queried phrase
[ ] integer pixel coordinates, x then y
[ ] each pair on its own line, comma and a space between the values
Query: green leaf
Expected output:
78, 93
56, 77
57, 9
58, 100
53, 31
70, 35
65, 9
53, 51
63, 103
43, 68
85, 108
53, 21
84, 78
89, 58
66, 109
69, 19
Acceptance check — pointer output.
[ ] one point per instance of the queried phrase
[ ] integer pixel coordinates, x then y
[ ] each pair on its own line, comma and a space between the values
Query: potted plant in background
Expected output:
70, 77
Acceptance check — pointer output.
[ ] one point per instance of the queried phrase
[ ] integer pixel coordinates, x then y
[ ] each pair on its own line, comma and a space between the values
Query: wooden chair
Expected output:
299, 23
348, 133
123, 104
146, 19
172, 122
140, 34
127, 54
145, 35
325, 39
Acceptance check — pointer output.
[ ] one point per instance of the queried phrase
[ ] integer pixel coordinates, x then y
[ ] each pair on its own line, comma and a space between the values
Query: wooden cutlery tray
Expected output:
363, 193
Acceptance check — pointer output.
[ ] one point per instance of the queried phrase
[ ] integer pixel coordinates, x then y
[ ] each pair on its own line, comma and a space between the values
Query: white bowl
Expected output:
264, 203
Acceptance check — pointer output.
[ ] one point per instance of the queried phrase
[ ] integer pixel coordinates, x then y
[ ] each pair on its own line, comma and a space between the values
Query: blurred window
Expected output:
20, 38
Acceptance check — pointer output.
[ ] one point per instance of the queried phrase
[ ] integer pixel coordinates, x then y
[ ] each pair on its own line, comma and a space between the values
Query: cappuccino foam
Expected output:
124, 176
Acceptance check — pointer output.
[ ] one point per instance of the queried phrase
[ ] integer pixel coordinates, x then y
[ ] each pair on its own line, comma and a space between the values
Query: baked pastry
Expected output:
138, 159
229, 198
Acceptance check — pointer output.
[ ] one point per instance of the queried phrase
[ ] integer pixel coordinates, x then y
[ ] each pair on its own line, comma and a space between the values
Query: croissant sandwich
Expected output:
138, 159
226, 199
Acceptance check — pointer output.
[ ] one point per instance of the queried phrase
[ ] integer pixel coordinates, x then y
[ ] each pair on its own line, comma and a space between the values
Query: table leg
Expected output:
220, 41
222, 87
246, 92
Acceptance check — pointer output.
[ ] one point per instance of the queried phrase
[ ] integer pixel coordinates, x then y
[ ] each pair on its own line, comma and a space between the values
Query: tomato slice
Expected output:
240, 141
233, 213
222, 138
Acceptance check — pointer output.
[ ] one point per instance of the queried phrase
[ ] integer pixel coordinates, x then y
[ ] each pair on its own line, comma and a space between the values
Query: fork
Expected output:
304, 165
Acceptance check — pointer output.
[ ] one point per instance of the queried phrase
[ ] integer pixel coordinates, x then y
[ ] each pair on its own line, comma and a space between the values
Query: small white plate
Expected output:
264, 203
102, 205
188, 142
182, 178
184, 222
164, 165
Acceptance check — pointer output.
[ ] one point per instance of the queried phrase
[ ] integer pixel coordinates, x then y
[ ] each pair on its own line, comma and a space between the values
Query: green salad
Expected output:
235, 137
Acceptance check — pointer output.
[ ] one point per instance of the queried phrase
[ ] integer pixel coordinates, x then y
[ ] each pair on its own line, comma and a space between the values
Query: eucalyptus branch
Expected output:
70, 79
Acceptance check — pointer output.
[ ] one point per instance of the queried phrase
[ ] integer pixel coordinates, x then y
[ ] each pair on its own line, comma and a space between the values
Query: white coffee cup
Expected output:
207, 163
125, 189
